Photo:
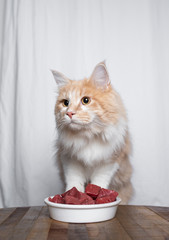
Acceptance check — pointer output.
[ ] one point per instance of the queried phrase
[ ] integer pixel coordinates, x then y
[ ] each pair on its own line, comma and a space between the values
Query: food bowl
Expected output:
82, 213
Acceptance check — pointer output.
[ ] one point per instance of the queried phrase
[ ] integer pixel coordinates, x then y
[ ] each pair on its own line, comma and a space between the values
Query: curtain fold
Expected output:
72, 37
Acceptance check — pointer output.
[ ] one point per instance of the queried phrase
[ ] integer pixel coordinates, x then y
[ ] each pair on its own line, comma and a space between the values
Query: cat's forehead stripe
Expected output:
75, 90
74, 96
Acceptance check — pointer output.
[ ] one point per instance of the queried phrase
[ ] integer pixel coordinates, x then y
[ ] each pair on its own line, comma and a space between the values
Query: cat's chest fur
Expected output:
88, 151
95, 149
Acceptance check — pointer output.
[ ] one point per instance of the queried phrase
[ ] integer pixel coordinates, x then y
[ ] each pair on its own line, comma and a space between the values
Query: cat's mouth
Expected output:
75, 124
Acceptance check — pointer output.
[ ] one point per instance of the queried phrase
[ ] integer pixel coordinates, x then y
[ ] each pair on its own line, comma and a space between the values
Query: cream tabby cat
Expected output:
93, 139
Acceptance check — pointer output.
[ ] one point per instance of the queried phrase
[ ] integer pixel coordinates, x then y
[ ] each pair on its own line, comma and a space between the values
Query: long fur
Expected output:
94, 145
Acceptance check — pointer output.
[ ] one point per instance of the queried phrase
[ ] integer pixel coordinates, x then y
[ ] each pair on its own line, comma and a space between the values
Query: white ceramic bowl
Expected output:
82, 213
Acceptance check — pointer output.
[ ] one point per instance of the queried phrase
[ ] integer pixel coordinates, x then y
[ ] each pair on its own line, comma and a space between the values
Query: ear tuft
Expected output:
100, 76
60, 79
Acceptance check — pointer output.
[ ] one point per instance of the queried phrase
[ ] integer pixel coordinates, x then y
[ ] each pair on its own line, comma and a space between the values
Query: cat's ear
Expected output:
100, 76
60, 79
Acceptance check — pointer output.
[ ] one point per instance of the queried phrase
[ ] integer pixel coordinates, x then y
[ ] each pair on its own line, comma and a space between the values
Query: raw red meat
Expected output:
106, 192
106, 199
92, 190
85, 199
93, 194
72, 192
57, 199
106, 196
71, 200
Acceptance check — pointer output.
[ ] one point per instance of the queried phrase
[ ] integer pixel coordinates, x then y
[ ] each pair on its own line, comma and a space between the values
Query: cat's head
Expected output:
89, 104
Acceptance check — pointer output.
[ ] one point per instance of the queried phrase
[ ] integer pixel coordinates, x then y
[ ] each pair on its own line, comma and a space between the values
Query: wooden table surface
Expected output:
131, 222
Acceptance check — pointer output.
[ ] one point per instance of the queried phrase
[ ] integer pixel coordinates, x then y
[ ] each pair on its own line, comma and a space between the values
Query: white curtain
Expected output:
72, 36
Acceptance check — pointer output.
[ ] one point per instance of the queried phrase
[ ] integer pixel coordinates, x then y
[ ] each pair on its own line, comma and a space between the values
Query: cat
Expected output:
93, 138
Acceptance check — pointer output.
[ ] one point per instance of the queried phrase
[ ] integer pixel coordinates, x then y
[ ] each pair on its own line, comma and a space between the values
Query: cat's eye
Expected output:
85, 100
65, 102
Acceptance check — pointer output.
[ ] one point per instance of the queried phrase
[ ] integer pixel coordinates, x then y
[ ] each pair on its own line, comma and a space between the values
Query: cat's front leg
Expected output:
103, 174
74, 175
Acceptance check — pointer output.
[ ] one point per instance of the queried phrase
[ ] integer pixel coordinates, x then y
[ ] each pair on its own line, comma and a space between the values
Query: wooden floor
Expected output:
131, 222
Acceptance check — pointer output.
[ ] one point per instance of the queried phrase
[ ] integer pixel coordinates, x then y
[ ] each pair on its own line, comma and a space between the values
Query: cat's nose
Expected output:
70, 114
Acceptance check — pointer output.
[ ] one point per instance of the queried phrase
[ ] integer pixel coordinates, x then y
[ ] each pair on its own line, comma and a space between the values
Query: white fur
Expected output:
97, 148
74, 174
103, 174
87, 159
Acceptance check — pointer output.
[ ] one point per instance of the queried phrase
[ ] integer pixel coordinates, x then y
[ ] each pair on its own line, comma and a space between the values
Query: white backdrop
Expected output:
72, 36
